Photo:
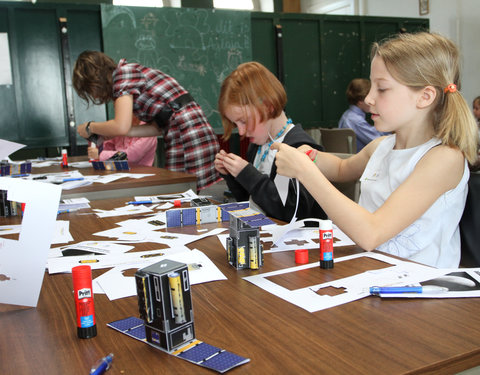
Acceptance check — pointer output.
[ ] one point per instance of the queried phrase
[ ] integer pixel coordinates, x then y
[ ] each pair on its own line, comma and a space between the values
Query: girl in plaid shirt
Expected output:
155, 98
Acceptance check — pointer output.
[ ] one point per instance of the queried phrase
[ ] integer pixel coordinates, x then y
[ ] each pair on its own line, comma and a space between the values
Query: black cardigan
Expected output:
262, 189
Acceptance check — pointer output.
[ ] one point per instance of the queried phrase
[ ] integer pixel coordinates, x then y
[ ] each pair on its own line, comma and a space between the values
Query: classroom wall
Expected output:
315, 74
35, 107
457, 20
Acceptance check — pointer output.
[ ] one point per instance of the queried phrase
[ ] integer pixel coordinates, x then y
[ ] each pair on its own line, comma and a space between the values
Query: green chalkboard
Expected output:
198, 47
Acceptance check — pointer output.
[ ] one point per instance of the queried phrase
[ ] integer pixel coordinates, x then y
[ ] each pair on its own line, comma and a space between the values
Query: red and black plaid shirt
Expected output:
191, 144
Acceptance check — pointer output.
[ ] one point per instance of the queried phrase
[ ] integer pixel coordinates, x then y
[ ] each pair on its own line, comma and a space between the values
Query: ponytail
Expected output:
455, 125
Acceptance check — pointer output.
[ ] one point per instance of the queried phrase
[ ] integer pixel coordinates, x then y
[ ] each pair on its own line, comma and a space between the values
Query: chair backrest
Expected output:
339, 140
470, 224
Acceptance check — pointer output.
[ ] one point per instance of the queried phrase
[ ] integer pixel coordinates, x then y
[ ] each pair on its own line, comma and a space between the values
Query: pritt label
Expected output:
84, 293
327, 235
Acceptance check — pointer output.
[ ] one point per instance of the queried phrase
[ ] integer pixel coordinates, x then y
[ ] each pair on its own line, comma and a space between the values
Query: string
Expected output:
267, 150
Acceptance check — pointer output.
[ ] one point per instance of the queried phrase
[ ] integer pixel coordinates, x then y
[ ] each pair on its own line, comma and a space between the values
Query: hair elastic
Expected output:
315, 154
450, 88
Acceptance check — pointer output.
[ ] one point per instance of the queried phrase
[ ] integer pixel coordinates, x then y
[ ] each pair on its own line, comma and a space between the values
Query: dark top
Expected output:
251, 182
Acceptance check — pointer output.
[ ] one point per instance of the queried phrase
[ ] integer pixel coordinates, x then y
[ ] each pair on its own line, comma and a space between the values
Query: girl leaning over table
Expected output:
155, 98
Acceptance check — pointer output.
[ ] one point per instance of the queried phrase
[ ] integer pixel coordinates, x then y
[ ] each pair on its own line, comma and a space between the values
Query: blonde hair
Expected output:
92, 77
427, 59
357, 90
251, 84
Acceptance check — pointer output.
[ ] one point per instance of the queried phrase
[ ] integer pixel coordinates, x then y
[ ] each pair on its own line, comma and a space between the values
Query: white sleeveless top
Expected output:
434, 238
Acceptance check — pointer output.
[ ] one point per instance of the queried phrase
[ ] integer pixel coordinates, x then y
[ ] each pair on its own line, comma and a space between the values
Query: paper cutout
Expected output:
7, 148
22, 262
281, 182
352, 288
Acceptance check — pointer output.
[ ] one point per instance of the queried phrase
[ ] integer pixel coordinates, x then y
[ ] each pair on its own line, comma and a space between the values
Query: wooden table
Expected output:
163, 181
368, 336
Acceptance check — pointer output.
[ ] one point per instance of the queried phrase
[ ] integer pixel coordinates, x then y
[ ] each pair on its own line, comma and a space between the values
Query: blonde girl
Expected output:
413, 182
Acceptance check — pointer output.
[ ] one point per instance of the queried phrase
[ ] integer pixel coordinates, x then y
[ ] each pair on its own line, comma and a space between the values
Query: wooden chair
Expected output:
339, 140
470, 224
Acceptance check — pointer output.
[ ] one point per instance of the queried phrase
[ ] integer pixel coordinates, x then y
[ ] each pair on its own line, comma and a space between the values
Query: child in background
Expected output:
155, 98
139, 150
413, 182
252, 99
476, 109
354, 116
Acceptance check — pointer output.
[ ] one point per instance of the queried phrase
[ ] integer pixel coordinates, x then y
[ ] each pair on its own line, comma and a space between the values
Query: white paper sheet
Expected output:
62, 232
356, 287
7, 148
88, 247
186, 196
22, 265
124, 210
65, 264
10, 229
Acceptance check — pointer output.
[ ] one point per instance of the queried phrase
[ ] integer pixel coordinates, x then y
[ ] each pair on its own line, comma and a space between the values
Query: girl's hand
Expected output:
234, 164
92, 153
81, 130
290, 161
219, 163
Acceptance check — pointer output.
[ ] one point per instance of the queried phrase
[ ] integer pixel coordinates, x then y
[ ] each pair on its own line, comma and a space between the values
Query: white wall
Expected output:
458, 20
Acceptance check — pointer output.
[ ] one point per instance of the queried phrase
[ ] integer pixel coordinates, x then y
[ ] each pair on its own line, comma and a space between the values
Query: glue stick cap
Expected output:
326, 224
82, 276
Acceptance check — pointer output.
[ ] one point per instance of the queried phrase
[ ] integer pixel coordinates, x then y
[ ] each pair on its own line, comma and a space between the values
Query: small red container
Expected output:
301, 256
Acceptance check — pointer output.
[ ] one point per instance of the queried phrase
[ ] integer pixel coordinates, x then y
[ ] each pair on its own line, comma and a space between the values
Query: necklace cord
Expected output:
265, 153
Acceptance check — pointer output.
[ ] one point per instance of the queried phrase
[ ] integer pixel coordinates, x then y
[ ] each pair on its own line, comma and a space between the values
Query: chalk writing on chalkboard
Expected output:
199, 47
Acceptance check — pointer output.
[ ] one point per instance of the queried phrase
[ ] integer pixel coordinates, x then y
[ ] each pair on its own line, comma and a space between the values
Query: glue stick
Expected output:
326, 244
93, 145
64, 159
82, 289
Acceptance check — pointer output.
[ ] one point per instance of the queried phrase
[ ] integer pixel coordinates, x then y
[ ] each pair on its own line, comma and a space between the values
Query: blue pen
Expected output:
72, 179
102, 365
140, 202
66, 211
376, 290
20, 175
